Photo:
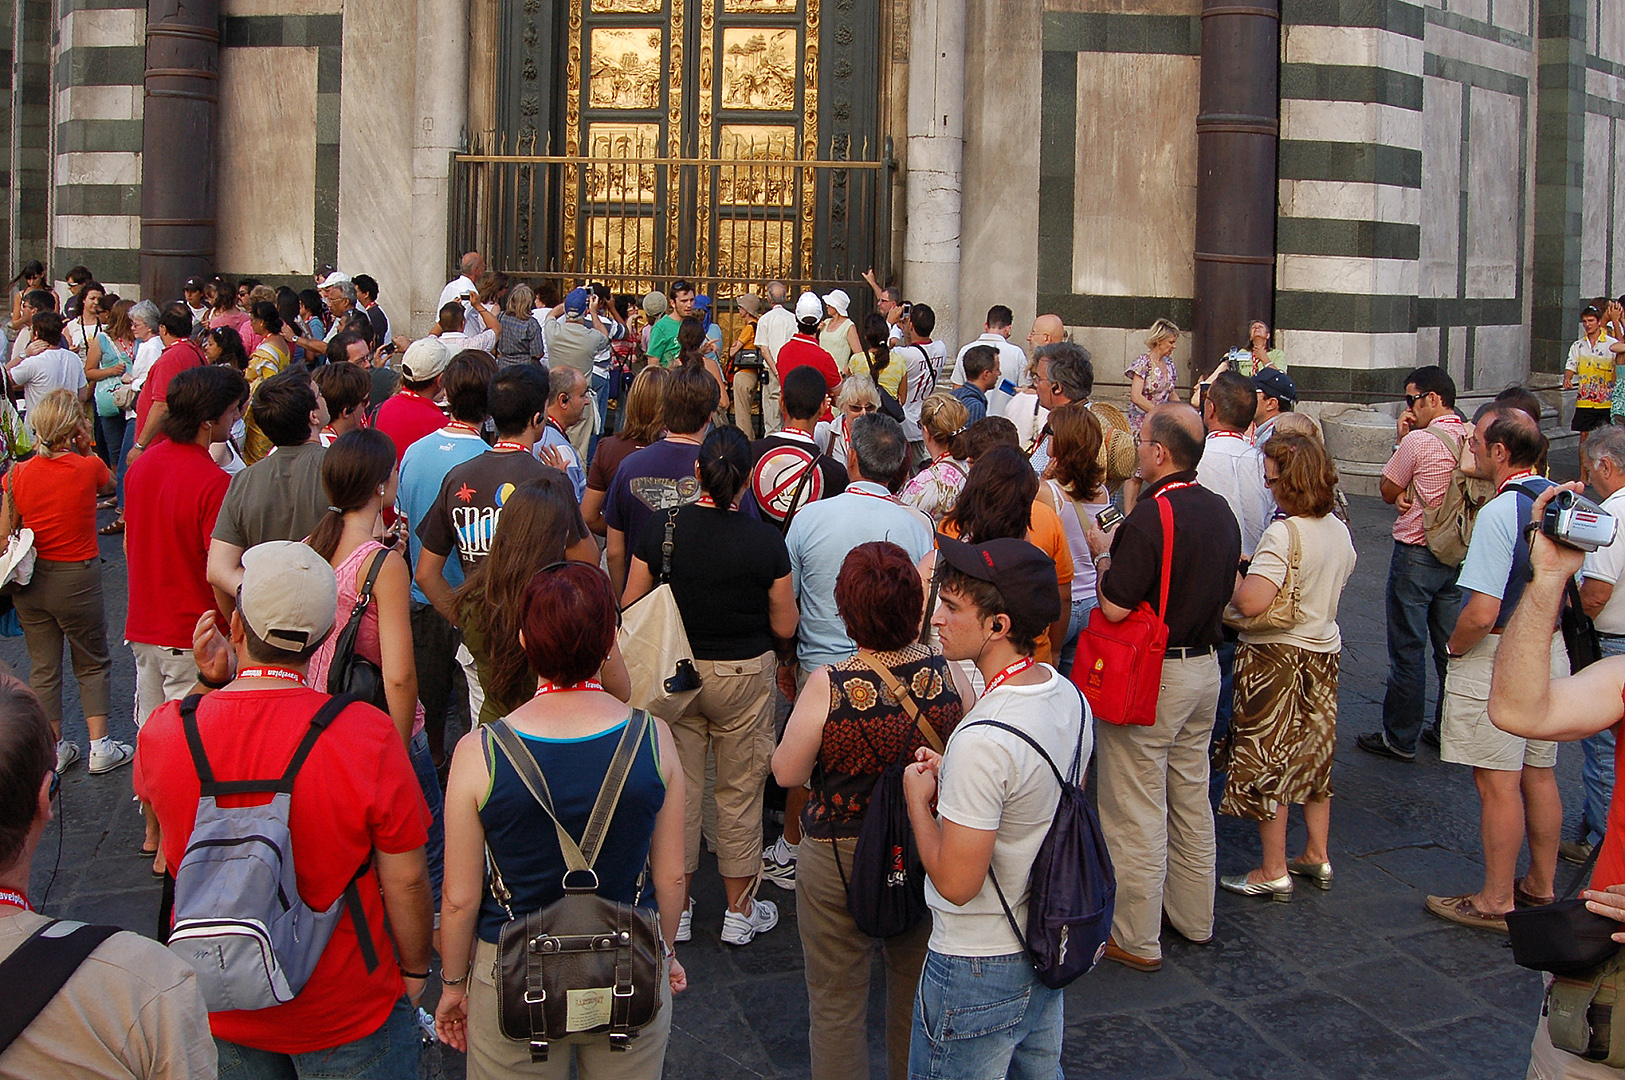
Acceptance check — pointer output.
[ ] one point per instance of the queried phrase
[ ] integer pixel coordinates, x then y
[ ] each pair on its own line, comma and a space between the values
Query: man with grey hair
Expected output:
471, 267
773, 330
1063, 373
567, 403
1604, 455
820, 538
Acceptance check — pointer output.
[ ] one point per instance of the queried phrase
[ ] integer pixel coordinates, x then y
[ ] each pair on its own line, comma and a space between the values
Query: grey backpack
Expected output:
239, 920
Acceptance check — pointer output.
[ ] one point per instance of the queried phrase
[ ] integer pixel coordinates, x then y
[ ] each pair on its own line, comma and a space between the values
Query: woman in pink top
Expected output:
359, 475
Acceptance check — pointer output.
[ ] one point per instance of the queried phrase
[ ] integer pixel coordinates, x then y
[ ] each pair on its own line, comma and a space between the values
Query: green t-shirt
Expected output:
663, 339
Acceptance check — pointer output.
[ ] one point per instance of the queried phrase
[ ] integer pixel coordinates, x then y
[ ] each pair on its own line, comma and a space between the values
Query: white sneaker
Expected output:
685, 923
779, 865
739, 929
105, 761
66, 754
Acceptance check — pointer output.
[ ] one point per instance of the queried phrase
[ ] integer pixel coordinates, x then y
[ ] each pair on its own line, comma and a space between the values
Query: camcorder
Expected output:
1576, 521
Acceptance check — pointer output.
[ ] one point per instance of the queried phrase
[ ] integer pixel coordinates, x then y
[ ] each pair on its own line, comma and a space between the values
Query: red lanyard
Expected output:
285, 674
1173, 487
558, 427
549, 688
504, 444
458, 425
706, 500
940, 458
9, 898
1513, 479
1226, 435
1013, 670
871, 495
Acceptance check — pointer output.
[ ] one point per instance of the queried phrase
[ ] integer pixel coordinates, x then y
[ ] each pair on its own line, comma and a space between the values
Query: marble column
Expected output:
936, 139
441, 107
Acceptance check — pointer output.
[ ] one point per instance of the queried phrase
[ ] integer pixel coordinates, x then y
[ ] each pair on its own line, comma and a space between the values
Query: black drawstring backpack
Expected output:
1072, 889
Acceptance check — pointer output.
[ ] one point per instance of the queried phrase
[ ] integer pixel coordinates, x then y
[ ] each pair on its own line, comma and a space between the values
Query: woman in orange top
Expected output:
54, 494
1000, 500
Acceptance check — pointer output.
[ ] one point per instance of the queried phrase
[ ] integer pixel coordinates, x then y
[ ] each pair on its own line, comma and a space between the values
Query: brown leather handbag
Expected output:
583, 964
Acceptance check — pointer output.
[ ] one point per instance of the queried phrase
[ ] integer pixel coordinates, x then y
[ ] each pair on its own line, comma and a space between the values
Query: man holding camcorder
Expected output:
1525, 701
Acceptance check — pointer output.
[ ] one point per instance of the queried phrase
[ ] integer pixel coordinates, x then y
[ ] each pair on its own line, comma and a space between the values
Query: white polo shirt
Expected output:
1607, 564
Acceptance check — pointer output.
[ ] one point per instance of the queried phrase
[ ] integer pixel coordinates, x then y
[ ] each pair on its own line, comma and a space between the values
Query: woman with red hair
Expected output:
850, 724
571, 727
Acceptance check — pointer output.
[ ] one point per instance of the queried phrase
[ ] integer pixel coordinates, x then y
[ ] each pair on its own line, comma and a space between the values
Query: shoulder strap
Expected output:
666, 546
39, 968
904, 698
1580, 875
930, 609
365, 596
576, 856
801, 485
1167, 512
209, 787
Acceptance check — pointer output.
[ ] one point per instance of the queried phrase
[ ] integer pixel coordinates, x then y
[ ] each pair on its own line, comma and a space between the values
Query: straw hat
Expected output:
1117, 450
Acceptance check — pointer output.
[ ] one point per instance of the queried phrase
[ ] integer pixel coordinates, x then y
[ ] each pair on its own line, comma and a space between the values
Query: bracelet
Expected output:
210, 683
455, 982
414, 974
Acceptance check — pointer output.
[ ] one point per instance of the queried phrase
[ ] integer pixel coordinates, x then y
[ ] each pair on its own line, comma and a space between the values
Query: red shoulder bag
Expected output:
1119, 664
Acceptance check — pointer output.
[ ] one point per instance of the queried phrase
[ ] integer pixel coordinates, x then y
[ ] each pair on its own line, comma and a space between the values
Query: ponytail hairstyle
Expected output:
357, 464
724, 465
944, 417
876, 342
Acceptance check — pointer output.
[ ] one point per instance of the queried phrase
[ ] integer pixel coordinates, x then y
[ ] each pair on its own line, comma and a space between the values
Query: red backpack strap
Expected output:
1167, 512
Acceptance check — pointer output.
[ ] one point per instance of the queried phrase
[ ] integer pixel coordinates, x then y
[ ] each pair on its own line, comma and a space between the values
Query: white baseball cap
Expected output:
809, 308
425, 358
289, 595
838, 300
335, 278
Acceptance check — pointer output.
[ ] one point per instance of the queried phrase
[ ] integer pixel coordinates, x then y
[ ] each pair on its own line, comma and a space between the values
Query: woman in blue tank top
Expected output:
571, 727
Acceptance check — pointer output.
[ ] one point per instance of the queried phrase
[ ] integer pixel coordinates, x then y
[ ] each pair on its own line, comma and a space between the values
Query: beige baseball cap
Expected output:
425, 358
289, 596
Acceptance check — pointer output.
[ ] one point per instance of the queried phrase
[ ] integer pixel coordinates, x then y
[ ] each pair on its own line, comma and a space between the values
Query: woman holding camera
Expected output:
1284, 727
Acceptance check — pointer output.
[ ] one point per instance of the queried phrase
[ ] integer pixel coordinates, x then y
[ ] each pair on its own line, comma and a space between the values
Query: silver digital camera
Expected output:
1578, 522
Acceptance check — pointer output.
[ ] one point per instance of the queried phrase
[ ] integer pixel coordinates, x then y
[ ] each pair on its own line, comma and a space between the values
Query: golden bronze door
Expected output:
684, 138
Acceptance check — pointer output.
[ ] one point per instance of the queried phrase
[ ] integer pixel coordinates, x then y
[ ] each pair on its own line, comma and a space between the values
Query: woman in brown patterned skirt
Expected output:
1284, 727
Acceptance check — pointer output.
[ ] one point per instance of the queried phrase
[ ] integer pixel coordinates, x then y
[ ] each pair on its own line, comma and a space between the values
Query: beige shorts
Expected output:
1467, 736
161, 674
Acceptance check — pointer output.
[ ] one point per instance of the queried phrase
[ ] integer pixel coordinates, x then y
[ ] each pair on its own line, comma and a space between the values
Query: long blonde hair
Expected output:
57, 420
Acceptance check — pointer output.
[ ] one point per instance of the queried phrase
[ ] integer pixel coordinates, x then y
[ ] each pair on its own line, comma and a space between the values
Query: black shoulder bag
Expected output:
39, 968
351, 673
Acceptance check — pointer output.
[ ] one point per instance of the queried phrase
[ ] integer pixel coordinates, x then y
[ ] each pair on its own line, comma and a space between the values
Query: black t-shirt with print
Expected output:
464, 515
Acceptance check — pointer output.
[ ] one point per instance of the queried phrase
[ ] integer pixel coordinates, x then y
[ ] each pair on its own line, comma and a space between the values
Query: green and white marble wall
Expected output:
1350, 192
29, 143
100, 61
1117, 172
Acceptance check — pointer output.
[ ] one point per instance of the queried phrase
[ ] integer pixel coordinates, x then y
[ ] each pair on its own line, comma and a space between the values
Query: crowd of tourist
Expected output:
493, 535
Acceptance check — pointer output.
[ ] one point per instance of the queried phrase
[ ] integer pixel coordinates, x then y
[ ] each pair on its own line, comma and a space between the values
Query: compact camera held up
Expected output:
1576, 521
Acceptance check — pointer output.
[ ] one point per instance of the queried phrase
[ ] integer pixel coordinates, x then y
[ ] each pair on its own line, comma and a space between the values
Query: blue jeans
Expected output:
1069, 648
390, 1053
599, 385
124, 458
979, 1016
1423, 602
112, 432
423, 765
1597, 769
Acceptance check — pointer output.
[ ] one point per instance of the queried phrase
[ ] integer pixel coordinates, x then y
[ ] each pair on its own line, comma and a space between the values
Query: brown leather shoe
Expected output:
1129, 960
1461, 911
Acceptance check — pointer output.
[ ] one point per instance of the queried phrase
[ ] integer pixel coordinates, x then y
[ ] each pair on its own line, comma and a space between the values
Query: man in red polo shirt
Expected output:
1526, 701
355, 805
172, 497
411, 412
803, 348
180, 353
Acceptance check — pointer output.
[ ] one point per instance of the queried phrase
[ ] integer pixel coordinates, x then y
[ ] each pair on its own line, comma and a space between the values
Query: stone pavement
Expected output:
1354, 982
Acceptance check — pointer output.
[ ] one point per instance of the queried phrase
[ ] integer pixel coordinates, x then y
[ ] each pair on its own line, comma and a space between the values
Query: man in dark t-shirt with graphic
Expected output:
660, 476
464, 515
